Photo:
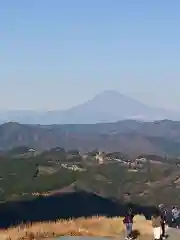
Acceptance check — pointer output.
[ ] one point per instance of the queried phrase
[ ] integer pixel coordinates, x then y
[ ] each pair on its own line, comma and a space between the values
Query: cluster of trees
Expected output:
19, 175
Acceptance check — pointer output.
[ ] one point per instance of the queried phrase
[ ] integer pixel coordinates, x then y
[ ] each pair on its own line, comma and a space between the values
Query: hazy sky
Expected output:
58, 53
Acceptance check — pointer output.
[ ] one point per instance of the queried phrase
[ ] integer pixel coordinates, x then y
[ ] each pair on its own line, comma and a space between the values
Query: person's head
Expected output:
161, 206
129, 210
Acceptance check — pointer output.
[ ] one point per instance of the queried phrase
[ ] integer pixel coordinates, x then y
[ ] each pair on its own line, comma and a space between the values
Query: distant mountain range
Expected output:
108, 106
128, 136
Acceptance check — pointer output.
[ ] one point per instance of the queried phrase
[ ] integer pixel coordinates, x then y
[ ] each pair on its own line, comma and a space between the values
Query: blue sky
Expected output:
58, 53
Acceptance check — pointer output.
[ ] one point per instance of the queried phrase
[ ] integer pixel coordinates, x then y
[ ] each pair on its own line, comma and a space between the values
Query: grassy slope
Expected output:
95, 226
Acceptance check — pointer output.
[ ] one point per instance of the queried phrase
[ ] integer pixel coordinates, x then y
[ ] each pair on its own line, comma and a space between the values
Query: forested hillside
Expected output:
26, 175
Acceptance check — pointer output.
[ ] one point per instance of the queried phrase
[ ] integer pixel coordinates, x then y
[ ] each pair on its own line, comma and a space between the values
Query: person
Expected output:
128, 221
176, 216
156, 224
163, 214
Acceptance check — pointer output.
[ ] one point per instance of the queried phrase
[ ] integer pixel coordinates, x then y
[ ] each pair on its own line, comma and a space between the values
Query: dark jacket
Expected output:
128, 219
163, 215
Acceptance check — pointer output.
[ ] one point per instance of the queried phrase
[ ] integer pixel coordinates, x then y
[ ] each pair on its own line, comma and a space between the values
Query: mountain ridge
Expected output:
108, 106
128, 136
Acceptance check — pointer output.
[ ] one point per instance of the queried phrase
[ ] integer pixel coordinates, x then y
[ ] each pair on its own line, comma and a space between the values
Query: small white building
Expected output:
31, 150
141, 160
100, 158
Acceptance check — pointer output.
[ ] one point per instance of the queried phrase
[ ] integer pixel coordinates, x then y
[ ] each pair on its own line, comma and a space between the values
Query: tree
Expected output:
19, 150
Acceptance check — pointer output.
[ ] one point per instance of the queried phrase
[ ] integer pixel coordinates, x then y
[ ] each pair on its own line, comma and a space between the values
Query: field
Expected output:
95, 226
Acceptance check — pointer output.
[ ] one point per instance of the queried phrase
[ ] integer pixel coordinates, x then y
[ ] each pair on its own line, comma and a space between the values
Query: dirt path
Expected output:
81, 238
173, 234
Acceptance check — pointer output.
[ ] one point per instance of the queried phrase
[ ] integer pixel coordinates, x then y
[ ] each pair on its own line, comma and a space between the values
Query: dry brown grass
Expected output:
95, 226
